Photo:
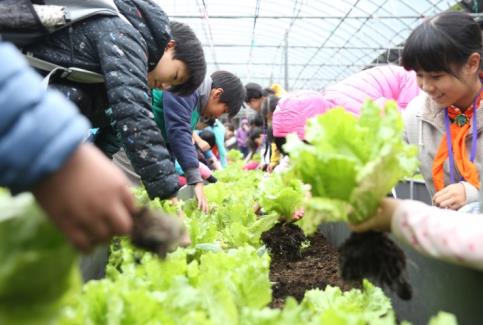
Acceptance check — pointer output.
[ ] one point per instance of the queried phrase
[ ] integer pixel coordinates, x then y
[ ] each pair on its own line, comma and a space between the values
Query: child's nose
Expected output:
427, 86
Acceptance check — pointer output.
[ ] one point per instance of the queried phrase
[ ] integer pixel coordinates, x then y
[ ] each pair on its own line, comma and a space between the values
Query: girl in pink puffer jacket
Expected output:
381, 83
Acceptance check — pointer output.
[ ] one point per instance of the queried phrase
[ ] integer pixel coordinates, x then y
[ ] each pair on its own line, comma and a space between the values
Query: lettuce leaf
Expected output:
38, 268
351, 163
282, 194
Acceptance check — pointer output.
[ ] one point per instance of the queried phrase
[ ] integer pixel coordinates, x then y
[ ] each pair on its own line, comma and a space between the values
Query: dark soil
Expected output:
374, 256
316, 267
284, 241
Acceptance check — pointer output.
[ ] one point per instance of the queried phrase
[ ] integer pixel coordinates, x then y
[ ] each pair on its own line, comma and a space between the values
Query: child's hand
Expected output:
270, 168
201, 198
88, 199
262, 167
451, 197
298, 214
382, 220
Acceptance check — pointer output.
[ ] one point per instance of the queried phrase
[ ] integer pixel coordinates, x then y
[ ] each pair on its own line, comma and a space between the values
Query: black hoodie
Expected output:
123, 52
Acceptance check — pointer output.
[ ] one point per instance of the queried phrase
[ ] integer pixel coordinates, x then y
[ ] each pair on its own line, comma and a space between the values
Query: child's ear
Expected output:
473, 62
217, 93
171, 44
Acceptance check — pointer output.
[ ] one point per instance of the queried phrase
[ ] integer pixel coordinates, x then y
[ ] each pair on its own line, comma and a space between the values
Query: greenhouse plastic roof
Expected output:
326, 42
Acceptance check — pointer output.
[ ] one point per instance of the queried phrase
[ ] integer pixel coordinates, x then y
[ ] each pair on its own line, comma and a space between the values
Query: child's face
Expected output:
168, 72
443, 88
256, 104
259, 140
448, 89
215, 108
229, 134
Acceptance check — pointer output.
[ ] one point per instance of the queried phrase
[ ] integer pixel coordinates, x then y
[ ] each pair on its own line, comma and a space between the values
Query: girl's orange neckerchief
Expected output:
453, 146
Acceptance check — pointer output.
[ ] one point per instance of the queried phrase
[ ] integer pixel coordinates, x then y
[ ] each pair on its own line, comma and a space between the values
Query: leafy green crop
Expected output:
234, 156
212, 289
282, 194
351, 163
37, 268
222, 278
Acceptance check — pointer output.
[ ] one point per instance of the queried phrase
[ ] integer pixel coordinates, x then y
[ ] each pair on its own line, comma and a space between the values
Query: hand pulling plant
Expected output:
283, 194
351, 164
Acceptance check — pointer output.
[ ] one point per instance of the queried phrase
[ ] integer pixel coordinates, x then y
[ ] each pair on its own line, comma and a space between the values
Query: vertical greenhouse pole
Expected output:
286, 61
481, 193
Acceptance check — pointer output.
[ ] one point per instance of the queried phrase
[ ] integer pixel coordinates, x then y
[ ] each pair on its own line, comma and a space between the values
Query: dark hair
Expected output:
233, 90
269, 105
253, 91
442, 43
268, 91
279, 142
230, 126
256, 120
252, 136
189, 50
209, 137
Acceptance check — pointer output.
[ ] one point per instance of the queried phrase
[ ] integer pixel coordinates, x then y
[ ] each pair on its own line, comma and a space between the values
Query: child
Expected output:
209, 157
85, 195
380, 83
255, 145
131, 52
293, 111
230, 139
271, 152
219, 149
446, 120
443, 234
255, 95
242, 137
177, 116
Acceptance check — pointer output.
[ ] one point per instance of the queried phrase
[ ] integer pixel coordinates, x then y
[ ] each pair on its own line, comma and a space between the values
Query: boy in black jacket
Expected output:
130, 55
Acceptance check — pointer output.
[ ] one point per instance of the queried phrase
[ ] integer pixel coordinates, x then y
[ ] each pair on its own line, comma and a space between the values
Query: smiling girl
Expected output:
446, 119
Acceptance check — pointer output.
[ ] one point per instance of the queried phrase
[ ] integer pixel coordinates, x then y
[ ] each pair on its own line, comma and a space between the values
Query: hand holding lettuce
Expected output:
351, 163
282, 194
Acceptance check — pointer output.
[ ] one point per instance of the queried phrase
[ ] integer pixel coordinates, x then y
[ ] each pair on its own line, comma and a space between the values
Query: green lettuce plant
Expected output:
351, 163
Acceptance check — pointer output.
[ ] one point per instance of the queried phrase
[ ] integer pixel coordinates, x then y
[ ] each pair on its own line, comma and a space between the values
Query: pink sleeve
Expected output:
205, 171
443, 234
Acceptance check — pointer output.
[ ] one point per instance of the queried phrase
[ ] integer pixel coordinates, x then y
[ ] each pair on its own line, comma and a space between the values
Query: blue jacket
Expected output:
178, 113
39, 130
219, 130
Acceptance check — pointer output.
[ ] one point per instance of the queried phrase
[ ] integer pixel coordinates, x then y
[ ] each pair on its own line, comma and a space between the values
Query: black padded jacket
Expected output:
123, 52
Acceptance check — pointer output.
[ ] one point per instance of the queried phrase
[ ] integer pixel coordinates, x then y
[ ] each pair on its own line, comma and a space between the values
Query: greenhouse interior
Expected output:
256, 162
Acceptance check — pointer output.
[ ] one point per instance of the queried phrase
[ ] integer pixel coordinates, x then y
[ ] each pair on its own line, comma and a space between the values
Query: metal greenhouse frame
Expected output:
304, 44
